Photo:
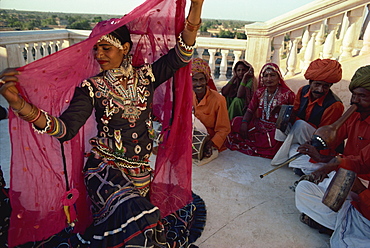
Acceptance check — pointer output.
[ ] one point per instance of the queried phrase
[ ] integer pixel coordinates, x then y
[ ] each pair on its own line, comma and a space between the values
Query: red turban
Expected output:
326, 70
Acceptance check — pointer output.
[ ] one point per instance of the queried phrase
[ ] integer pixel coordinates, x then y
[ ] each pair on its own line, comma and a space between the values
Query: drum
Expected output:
199, 141
284, 117
338, 189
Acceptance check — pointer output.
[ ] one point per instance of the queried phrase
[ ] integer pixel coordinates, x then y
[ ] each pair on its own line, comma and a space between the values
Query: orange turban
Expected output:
326, 70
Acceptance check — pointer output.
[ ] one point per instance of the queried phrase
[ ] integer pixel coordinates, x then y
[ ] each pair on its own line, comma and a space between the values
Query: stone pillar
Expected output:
200, 52
333, 24
277, 43
223, 65
310, 54
366, 43
237, 55
292, 57
212, 61
350, 35
366, 38
305, 40
29, 53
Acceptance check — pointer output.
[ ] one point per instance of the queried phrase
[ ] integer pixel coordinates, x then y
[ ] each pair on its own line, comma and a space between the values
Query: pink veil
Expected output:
37, 175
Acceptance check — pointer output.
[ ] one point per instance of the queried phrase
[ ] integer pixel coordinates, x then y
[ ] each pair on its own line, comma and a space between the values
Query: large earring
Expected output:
126, 66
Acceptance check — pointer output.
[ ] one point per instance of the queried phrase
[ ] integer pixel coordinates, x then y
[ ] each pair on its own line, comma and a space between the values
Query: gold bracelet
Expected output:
16, 111
31, 115
192, 27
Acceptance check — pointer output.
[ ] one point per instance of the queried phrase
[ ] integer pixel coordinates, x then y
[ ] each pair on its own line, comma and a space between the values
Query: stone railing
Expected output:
18, 48
334, 29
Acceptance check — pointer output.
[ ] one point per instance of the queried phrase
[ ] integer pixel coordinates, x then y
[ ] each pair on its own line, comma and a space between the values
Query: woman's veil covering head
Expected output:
37, 181
274, 67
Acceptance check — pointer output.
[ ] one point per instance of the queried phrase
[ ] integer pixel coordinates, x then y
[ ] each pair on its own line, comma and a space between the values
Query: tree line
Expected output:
27, 20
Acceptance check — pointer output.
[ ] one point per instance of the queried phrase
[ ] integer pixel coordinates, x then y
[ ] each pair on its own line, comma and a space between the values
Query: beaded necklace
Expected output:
267, 105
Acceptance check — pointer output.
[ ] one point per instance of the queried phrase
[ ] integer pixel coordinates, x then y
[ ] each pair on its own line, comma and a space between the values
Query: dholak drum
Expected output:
284, 117
199, 141
339, 189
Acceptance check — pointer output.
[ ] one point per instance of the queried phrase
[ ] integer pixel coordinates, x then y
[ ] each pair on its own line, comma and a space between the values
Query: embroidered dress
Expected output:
261, 141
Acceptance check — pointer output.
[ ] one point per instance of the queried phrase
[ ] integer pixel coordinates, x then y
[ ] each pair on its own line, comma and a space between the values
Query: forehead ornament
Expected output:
112, 40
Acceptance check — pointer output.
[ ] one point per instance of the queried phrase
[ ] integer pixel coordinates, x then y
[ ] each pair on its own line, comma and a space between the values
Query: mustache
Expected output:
319, 93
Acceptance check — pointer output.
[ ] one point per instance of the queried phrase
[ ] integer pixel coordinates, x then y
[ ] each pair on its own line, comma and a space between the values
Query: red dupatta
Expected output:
37, 177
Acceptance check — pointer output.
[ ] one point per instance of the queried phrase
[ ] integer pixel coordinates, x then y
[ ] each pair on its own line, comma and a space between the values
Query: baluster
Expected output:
223, 65
200, 52
292, 57
350, 35
277, 43
305, 40
22, 60
52, 46
320, 35
333, 24
30, 57
310, 54
366, 41
212, 61
37, 47
237, 55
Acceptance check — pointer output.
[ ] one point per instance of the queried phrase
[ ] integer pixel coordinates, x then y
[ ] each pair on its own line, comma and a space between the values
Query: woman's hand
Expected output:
244, 130
8, 79
193, 22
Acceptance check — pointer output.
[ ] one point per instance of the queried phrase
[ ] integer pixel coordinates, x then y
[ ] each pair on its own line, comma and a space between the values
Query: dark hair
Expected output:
123, 34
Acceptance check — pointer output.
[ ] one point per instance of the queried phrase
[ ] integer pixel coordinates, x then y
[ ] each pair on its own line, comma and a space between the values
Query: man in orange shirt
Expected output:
351, 224
209, 107
315, 105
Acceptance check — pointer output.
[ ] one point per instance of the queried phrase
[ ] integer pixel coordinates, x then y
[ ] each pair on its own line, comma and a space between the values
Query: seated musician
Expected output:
351, 224
209, 107
315, 105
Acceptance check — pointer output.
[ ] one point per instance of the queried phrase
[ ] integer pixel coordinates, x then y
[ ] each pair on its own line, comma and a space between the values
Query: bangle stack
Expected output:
192, 27
33, 115
16, 111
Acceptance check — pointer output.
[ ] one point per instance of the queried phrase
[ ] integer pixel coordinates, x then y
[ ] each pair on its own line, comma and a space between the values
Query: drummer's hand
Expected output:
8, 80
244, 130
320, 174
309, 150
358, 187
208, 149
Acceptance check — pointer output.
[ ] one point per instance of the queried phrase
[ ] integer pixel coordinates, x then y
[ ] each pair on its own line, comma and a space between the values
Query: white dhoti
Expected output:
351, 229
300, 133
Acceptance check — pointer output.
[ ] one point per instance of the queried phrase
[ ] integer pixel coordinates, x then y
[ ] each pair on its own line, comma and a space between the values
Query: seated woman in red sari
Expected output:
253, 133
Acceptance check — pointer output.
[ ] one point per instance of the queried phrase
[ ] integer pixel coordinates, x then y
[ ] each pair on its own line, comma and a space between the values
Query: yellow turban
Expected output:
326, 70
361, 78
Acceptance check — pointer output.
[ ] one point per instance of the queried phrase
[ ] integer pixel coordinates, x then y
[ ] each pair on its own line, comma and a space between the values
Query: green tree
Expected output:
97, 19
81, 24
226, 34
241, 36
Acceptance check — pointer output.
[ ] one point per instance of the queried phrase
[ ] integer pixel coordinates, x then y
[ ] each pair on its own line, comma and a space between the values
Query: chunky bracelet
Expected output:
183, 45
37, 116
48, 122
16, 111
192, 27
245, 121
32, 115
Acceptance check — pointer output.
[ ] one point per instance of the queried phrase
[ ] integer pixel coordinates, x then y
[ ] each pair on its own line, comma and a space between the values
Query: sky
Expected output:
245, 10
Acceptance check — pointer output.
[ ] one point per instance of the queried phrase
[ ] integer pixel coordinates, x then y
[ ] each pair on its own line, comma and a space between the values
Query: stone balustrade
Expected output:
329, 29
336, 29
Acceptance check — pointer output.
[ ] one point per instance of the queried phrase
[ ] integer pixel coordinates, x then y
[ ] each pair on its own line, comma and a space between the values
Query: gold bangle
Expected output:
192, 27
32, 114
22, 106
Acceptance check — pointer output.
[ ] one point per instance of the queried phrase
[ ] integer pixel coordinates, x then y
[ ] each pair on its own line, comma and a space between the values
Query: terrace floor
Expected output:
243, 210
